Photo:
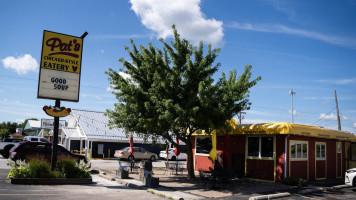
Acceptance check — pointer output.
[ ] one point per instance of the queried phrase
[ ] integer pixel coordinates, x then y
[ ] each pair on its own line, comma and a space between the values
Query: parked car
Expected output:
350, 177
7, 144
43, 150
35, 139
139, 153
171, 155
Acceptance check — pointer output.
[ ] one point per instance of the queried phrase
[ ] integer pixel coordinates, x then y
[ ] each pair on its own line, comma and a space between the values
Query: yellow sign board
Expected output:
61, 52
60, 67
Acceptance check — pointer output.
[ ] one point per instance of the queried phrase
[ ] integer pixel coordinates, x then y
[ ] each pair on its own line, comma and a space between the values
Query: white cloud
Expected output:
160, 15
124, 75
22, 64
355, 125
92, 95
339, 81
332, 117
19, 121
335, 40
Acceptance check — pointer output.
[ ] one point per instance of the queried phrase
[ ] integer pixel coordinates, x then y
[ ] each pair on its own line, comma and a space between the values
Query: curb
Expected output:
339, 187
159, 193
270, 196
306, 191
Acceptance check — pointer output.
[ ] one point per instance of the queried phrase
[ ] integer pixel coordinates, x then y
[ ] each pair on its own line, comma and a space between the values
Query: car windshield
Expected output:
125, 149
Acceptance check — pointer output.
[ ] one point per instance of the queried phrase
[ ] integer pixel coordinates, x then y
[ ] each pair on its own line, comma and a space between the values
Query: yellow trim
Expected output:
321, 159
296, 159
340, 160
245, 156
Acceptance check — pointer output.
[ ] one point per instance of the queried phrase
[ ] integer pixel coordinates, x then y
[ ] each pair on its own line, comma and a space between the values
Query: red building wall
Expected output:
315, 169
260, 169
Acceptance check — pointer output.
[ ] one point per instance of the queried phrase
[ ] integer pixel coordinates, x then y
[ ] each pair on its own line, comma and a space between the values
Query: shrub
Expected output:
295, 181
69, 169
39, 169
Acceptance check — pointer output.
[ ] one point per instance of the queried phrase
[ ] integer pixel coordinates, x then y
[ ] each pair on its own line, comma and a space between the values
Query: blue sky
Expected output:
307, 46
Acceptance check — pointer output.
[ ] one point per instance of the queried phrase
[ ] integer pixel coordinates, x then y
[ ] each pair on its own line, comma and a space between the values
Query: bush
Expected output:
37, 168
69, 169
295, 181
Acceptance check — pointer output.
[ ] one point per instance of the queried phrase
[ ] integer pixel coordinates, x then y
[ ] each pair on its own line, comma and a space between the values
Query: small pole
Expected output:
292, 92
55, 138
337, 112
84, 34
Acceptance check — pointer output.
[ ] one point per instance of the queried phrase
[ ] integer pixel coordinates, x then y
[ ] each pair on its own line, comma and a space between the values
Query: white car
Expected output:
172, 155
350, 177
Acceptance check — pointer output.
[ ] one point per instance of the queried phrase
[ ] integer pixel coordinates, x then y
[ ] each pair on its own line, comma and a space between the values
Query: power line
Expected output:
31, 79
324, 116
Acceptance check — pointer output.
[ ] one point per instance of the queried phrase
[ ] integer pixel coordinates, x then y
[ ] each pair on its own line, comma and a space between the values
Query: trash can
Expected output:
145, 166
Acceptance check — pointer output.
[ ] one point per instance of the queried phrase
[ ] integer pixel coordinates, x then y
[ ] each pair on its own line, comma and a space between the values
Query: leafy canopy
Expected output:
172, 90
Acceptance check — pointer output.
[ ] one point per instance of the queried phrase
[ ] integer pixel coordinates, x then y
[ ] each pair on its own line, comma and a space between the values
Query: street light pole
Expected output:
292, 92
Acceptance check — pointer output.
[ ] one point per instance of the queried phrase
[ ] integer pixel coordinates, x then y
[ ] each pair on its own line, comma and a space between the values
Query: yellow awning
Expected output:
292, 129
286, 129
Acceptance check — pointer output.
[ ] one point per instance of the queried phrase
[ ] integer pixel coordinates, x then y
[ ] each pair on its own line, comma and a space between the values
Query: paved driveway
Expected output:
102, 189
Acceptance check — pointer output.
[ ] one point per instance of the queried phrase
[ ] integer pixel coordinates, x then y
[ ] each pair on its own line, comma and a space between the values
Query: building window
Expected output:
260, 147
320, 151
353, 151
299, 150
203, 145
338, 147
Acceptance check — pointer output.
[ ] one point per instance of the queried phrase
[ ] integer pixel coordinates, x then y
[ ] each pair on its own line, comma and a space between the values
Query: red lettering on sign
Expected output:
57, 44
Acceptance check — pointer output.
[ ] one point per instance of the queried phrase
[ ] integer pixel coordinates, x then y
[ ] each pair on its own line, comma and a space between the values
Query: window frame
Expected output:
260, 147
320, 144
301, 153
196, 146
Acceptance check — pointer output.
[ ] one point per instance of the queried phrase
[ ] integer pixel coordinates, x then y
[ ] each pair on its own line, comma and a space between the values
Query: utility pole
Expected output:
337, 113
292, 92
241, 117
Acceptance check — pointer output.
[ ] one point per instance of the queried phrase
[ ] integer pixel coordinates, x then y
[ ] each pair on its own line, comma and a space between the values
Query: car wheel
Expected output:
131, 158
153, 158
173, 158
354, 182
6, 152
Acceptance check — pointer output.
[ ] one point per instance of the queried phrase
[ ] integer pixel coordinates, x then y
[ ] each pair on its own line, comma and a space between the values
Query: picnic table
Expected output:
131, 164
175, 167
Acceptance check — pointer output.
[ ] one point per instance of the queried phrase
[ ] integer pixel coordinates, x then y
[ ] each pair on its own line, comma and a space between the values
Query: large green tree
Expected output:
170, 92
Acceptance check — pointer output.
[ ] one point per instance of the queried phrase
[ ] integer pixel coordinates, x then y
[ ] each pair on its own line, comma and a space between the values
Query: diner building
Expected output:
274, 151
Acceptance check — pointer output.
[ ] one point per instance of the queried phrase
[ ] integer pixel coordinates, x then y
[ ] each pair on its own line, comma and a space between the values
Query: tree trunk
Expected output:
190, 163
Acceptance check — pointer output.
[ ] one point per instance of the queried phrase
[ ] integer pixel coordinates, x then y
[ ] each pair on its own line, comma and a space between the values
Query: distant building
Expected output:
32, 128
88, 132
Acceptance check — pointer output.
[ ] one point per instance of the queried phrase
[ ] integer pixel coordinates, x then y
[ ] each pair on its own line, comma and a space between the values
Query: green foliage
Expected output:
171, 90
295, 181
37, 168
4, 133
69, 169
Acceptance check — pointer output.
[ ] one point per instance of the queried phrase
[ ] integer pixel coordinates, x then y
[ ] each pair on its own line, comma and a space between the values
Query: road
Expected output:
101, 189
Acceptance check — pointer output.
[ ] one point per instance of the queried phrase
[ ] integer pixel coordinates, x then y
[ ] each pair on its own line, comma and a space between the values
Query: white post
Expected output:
292, 92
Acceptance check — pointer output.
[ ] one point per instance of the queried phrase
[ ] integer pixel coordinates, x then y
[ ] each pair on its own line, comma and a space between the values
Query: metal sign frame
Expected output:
56, 70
